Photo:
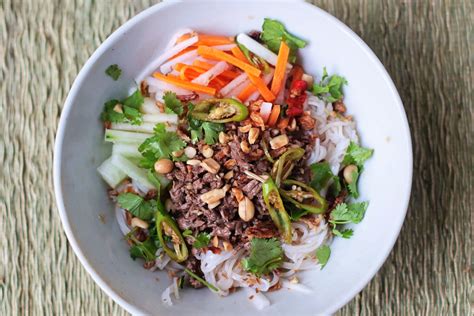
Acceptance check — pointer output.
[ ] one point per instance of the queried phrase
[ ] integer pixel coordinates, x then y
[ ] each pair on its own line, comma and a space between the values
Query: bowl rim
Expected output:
57, 159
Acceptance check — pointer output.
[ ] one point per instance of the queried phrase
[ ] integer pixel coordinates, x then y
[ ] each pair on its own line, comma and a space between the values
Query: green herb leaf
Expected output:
321, 174
161, 145
356, 155
273, 32
266, 255
352, 187
172, 103
113, 71
187, 233
129, 110
145, 250
348, 213
322, 254
200, 129
201, 240
329, 88
153, 178
137, 206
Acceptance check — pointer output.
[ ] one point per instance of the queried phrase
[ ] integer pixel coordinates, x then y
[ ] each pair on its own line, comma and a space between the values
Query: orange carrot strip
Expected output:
247, 92
184, 84
262, 88
184, 37
280, 68
238, 54
213, 40
228, 74
217, 54
274, 114
297, 73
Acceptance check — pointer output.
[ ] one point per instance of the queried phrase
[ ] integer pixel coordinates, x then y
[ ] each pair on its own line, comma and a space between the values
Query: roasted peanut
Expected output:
137, 222
245, 128
164, 166
210, 165
244, 146
253, 135
118, 108
246, 209
207, 151
193, 162
229, 164
279, 141
238, 194
190, 152
348, 171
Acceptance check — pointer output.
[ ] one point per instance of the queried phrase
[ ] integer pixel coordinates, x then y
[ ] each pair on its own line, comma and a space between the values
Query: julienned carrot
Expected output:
238, 54
184, 84
213, 53
297, 74
213, 40
207, 39
280, 68
262, 88
228, 74
274, 114
247, 92
189, 73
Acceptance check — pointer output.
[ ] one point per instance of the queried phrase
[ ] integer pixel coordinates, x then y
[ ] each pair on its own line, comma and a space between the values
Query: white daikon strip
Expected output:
176, 36
216, 70
165, 86
233, 84
149, 107
236, 91
186, 58
296, 286
164, 57
120, 217
258, 49
160, 118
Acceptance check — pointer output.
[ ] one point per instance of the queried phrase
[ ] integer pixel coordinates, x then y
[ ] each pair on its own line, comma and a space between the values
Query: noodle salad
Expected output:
232, 167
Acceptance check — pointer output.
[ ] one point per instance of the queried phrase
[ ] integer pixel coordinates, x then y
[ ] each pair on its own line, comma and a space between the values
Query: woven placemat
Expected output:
426, 47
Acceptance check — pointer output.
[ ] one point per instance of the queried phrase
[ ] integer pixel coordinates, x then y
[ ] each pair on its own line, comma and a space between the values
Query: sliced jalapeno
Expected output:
276, 209
284, 165
303, 196
166, 226
220, 111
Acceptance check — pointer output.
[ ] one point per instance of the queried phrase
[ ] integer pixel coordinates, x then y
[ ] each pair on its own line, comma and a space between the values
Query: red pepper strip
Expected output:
297, 98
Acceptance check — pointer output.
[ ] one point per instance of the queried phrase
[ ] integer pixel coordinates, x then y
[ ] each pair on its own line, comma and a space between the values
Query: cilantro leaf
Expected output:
202, 240
161, 145
273, 32
346, 233
348, 213
329, 88
145, 249
113, 71
356, 155
353, 185
321, 174
137, 205
266, 255
322, 254
200, 129
211, 132
172, 103
125, 111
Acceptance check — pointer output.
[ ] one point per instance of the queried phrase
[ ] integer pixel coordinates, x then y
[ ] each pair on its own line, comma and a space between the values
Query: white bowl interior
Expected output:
370, 97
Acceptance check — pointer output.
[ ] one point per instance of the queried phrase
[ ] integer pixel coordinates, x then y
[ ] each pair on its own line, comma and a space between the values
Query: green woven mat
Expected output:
426, 47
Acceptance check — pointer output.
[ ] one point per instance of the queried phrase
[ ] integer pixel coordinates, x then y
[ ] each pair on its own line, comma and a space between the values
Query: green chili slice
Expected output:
303, 197
220, 111
276, 209
284, 165
166, 226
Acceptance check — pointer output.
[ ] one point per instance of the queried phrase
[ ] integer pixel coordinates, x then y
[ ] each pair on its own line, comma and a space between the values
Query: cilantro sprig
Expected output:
273, 32
209, 131
161, 145
329, 89
124, 111
113, 71
266, 255
357, 155
346, 214
137, 206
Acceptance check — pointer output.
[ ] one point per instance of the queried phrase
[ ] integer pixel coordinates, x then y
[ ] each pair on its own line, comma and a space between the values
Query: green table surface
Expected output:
426, 47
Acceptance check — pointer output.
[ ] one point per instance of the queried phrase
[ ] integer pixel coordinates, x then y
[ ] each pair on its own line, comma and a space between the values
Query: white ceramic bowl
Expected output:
370, 96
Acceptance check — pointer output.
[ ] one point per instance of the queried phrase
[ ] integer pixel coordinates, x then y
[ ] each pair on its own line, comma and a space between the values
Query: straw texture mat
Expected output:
426, 47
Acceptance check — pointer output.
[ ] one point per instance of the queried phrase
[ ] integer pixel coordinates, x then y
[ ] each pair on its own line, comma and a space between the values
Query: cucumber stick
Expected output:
130, 169
110, 173
114, 136
126, 150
